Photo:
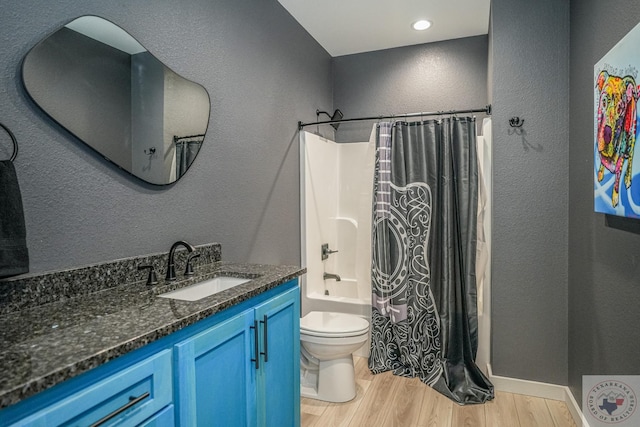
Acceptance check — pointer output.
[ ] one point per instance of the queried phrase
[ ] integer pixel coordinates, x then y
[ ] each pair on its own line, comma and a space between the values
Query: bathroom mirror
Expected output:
104, 87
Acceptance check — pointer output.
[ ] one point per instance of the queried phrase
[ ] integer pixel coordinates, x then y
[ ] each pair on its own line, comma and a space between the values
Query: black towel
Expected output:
14, 257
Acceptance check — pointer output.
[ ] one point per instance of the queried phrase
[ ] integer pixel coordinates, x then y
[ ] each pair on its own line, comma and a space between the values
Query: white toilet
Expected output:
326, 362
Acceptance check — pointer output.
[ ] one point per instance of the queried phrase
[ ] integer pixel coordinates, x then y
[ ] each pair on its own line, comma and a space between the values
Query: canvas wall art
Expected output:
616, 93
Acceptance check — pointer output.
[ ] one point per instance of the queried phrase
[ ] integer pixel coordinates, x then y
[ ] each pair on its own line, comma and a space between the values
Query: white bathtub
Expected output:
341, 302
341, 299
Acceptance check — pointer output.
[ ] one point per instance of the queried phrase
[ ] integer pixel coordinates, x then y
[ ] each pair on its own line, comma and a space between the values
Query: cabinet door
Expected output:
278, 380
216, 378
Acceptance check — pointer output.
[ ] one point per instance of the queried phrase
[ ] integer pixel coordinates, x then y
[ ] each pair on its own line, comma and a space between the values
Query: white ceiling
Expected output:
345, 27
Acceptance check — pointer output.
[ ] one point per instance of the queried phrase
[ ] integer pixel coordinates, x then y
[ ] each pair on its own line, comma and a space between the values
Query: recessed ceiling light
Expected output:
420, 25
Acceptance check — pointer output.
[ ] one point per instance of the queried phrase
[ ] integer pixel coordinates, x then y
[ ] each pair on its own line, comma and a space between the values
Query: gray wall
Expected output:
446, 75
530, 50
604, 265
263, 73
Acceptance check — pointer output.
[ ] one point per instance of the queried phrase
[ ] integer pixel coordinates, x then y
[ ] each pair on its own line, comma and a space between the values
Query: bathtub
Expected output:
342, 298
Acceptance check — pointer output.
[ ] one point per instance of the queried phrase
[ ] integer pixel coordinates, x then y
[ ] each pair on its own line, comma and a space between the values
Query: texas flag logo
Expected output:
611, 402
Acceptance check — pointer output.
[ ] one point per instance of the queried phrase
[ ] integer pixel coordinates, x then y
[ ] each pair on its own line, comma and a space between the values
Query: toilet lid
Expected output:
325, 323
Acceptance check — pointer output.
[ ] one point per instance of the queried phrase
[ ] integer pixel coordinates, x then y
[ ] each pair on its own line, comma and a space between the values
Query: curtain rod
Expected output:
486, 110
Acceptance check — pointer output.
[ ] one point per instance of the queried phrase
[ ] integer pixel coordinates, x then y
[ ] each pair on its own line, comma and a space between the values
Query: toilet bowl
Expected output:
326, 363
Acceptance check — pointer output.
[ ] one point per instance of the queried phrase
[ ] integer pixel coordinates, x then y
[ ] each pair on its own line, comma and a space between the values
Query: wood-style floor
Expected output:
385, 400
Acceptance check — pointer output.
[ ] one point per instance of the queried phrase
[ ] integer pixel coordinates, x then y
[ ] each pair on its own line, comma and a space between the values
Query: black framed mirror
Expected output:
103, 86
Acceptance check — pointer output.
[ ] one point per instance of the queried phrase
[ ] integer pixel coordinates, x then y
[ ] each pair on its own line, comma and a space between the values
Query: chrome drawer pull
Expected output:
132, 402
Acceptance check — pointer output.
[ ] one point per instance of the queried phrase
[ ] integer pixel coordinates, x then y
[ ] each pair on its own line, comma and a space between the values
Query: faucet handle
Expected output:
152, 279
326, 251
188, 271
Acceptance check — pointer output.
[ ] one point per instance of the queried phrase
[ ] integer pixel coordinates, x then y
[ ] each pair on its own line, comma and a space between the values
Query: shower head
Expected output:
337, 115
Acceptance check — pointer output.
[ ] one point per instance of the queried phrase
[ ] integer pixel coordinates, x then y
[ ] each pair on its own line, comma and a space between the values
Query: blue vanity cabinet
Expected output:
278, 379
128, 397
243, 371
238, 367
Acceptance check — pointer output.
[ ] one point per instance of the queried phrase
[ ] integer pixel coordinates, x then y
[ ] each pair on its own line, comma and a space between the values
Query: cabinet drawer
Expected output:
126, 398
164, 418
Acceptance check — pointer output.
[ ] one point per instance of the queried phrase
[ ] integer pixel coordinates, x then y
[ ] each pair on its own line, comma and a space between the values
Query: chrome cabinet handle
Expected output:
264, 336
256, 346
132, 401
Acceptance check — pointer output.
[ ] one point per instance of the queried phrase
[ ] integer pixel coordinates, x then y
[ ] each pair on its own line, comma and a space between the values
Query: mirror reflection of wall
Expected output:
184, 111
147, 112
103, 86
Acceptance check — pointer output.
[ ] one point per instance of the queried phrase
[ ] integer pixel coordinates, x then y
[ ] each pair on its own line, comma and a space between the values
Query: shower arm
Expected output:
335, 119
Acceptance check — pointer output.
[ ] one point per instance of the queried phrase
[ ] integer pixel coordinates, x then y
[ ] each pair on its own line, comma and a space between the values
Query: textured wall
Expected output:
263, 73
530, 49
604, 262
438, 76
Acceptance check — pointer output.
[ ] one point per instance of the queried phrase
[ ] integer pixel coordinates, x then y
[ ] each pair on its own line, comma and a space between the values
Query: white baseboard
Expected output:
538, 389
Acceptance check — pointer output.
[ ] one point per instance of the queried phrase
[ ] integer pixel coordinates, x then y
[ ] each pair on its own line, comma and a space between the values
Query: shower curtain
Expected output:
186, 152
424, 313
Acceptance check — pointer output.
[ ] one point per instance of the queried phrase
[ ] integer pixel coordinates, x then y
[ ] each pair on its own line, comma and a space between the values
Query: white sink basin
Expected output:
205, 289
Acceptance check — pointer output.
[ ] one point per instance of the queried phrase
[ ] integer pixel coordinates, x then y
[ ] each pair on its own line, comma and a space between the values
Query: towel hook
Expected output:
13, 139
516, 122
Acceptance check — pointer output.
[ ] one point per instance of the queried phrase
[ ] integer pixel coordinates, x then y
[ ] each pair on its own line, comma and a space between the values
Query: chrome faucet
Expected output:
171, 269
331, 276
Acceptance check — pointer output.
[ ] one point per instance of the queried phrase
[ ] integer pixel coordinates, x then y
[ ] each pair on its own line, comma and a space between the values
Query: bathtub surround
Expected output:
335, 206
58, 325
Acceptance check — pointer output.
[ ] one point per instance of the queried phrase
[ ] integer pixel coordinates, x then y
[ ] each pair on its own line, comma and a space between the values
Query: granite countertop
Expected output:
45, 345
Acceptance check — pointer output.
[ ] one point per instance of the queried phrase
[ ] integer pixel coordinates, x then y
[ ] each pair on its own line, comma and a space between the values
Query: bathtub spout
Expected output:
331, 276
